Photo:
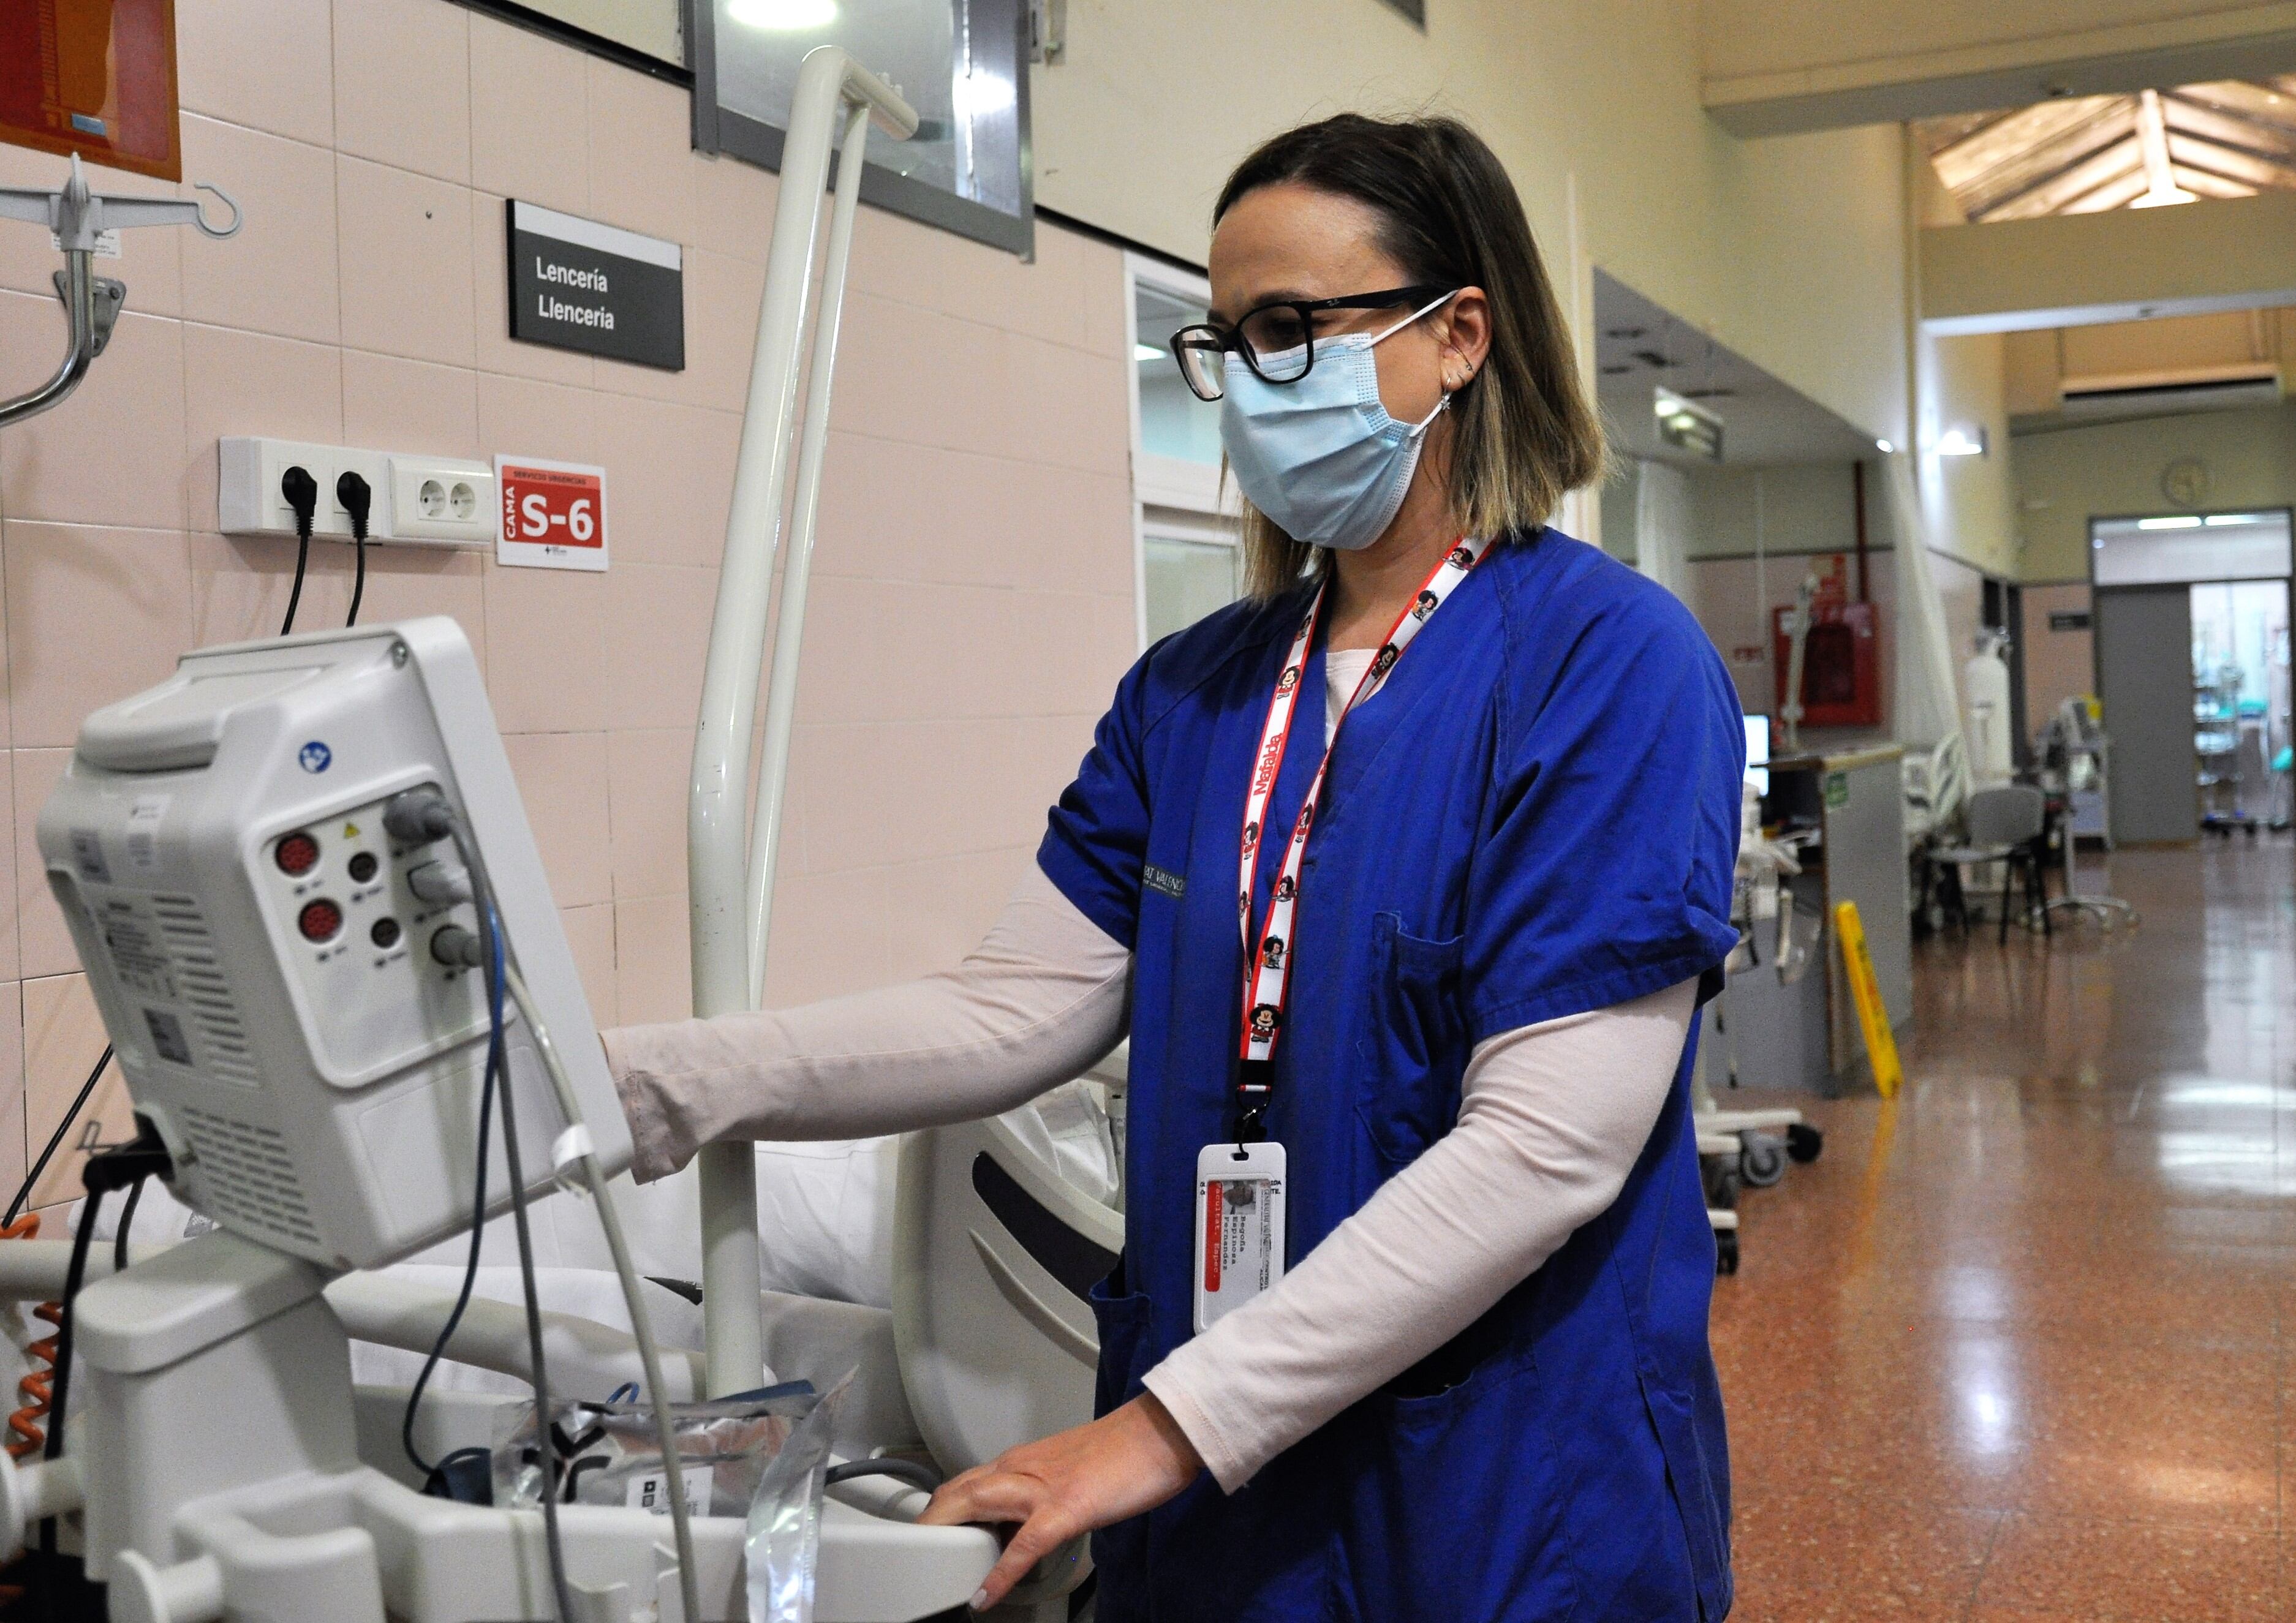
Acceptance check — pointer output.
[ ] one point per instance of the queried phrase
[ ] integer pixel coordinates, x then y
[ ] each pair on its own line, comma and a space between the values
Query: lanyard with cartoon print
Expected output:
1242, 1184
1267, 971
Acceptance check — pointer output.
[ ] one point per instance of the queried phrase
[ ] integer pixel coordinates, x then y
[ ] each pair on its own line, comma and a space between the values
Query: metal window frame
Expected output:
720, 130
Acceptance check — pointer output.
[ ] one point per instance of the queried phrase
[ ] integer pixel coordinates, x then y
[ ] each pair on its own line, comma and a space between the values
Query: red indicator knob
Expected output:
320, 921
296, 855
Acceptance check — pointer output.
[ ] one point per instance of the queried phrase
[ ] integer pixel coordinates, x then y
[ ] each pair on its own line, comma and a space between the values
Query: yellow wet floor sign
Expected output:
1873, 1018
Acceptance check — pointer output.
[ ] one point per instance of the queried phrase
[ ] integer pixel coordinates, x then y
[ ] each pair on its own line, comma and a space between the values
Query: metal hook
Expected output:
199, 216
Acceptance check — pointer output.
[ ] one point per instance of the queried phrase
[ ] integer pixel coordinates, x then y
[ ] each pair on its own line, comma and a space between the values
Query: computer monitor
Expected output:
1758, 753
262, 950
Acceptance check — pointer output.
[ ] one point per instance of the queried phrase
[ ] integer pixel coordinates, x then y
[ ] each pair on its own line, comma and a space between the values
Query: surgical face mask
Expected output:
1320, 456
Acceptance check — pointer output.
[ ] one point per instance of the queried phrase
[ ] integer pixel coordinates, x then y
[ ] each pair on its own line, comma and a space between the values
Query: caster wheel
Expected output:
1722, 1182
1726, 1252
1762, 1163
1804, 1143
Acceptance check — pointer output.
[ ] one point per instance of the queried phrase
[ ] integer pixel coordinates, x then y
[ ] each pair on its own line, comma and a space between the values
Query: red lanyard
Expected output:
1267, 971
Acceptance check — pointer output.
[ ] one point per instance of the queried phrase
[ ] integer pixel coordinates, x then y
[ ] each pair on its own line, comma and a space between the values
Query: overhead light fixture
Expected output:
784, 16
2219, 520
2180, 522
1961, 442
1146, 352
1884, 446
1687, 425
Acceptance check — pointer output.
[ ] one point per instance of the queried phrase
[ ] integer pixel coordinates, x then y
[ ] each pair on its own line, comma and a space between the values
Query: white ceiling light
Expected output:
1884, 446
2218, 521
1961, 442
2182, 521
784, 16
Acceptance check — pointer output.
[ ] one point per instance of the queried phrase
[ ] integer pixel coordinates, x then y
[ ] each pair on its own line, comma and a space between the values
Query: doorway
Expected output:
2191, 651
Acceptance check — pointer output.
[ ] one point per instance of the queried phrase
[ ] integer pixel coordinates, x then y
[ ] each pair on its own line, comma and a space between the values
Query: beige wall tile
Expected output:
266, 63
238, 383
652, 960
403, 85
657, 637
590, 935
497, 351
946, 905
1064, 407
63, 1035
278, 273
646, 775
240, 587
562, 778
722, 293
409, 582
389, 404
10, 959
113, 453
546, 649
12, 1159
44, 944
642, 172
670, 479
831, 933
907, 373
519, 417
93, 616
734, 204
150, 259
406, 276
529, 117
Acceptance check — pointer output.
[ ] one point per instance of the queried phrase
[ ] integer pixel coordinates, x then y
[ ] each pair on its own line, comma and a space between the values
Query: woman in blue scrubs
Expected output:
1375, 986
1533, 815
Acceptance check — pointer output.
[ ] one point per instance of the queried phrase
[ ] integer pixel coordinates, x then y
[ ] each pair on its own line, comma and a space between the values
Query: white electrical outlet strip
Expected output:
419, 501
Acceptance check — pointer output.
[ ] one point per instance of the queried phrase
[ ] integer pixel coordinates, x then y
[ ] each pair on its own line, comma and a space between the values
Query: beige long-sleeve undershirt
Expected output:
1552, 1119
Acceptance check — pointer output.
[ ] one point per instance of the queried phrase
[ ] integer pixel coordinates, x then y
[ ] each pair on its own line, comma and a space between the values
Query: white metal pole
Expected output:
718, 791
797, 572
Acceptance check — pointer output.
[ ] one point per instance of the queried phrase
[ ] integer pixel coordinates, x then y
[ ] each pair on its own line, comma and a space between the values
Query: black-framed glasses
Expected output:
1278, 340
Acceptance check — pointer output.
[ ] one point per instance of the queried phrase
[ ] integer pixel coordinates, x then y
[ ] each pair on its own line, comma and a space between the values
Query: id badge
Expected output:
1238, 1226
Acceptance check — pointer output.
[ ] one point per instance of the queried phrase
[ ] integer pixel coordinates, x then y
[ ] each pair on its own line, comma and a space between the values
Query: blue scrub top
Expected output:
1536, 816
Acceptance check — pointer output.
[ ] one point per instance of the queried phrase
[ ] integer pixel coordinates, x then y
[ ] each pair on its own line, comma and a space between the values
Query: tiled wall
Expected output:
972, 601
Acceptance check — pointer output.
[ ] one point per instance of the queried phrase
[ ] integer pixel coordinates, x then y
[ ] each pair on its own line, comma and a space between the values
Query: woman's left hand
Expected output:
1125, 1463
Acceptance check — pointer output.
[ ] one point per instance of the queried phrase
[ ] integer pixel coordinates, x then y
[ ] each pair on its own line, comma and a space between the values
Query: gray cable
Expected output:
641, 1326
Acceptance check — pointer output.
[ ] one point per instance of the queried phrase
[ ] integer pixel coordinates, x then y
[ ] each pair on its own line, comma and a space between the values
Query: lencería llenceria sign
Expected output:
576, 284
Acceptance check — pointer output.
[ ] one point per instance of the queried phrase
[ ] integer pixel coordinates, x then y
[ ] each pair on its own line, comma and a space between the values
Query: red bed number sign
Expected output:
553, 513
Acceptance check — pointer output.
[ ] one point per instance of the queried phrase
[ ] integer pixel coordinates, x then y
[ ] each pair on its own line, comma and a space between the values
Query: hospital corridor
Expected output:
1147, 811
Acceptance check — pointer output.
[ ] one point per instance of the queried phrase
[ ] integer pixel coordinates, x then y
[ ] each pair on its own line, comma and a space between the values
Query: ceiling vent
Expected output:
2228, 389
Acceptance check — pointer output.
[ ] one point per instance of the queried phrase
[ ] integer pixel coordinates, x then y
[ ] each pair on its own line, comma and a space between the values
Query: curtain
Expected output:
1663, 526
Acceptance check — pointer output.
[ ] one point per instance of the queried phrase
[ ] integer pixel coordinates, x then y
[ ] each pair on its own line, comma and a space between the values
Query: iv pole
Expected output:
731, 888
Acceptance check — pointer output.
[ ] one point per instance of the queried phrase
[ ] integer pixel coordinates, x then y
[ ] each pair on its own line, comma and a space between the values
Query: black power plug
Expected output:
358, 498
300, 492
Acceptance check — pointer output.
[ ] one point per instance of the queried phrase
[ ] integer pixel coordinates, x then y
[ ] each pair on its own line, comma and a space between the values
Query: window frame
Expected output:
1172, 499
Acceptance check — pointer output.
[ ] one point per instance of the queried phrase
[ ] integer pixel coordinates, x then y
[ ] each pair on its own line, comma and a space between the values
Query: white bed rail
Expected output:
733, 819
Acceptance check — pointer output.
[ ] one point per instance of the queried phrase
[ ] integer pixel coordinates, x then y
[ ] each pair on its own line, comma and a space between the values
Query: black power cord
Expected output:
56, 1139
124, 1168
358, 498
301, 492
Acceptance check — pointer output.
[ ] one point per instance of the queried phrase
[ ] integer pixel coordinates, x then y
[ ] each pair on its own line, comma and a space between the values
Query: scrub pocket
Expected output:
1119, 1552
1457, 1508
1407, 1086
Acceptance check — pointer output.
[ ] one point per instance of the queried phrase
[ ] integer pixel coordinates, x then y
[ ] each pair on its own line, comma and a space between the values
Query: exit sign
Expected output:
553, 513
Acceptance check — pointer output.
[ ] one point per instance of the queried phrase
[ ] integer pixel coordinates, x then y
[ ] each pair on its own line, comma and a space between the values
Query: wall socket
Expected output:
419, 501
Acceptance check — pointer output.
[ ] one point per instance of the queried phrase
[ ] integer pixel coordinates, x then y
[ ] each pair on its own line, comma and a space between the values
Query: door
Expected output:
2144, 676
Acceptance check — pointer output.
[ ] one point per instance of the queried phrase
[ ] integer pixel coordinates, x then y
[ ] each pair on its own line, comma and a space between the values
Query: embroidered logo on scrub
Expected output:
1157, 879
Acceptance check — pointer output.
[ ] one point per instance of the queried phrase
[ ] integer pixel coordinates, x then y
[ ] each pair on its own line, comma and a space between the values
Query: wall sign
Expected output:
554, 514
576, 284
2069, 619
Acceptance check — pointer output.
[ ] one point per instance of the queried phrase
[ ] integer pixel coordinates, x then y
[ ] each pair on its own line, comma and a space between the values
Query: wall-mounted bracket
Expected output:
80, 218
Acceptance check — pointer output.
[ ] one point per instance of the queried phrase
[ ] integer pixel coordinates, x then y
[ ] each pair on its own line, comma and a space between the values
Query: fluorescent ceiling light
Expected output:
784, 16
2183, 521
1146, 352
1961, 442
1884, 446
2218, 521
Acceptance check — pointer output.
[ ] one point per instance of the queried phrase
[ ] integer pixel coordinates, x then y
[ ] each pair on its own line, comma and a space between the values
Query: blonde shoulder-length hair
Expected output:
1522, 429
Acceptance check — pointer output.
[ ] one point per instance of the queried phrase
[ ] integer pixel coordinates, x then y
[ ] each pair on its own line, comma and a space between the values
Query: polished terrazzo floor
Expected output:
2021, 1345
